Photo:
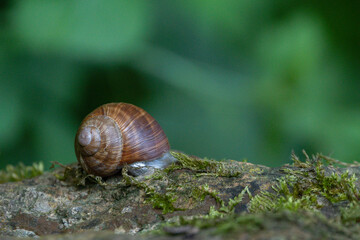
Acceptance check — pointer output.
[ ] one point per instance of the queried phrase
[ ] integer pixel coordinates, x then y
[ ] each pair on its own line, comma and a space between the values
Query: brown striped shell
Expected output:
115, 134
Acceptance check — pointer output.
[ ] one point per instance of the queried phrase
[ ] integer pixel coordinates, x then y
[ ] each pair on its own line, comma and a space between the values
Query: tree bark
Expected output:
201, 198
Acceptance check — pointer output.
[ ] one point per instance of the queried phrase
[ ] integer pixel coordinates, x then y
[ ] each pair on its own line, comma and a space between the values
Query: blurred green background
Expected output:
240, 79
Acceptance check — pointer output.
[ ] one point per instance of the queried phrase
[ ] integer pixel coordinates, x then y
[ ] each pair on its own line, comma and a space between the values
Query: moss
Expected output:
214, 216
203, 166
300, 192
308, 221
162, 201
304, 185
263, 202
224, 218
225, 208
158, 175
230, 206
283, 198
159, 200
166, 198
255, 170
351, 214
77, 176
20, 172
283, 221
224, 224
337, 187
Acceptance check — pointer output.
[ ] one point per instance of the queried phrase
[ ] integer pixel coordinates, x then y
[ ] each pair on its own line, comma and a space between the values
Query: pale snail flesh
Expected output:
119, 134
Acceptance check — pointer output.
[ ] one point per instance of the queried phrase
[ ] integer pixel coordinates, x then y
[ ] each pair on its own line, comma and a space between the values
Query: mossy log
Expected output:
197, 198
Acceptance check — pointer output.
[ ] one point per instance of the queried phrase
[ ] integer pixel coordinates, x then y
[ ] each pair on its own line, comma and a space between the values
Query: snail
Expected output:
119, 134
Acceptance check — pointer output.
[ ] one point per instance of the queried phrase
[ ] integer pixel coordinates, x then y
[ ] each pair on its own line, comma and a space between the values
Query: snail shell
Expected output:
116, 134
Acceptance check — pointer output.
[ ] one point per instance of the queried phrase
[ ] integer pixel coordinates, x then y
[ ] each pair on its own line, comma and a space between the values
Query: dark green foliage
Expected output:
252, 83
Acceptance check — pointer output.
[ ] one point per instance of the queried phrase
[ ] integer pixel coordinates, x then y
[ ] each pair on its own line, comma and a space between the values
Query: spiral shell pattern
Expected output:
116, 134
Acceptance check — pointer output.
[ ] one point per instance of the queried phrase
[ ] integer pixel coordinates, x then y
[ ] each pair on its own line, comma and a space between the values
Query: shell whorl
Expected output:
89, 139
115, 134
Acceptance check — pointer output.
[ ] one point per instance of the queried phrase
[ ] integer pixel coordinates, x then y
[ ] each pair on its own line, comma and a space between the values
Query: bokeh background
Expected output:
236, 79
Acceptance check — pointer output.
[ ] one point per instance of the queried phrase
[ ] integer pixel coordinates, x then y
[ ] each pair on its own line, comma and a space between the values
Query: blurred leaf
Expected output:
236, 78
234, 21
31, 91
340, 135
299, 84
97, 30
10, 117
204, 126
55, 137
50, 81
289, 55
200, 80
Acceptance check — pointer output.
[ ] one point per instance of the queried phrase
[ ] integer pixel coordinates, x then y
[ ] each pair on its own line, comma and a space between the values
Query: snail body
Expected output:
118, 134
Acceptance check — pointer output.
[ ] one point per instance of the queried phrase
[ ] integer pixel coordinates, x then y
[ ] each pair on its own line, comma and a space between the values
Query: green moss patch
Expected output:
20, 172
159, 200
305, 188
307, 185
204, 166
311, 188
